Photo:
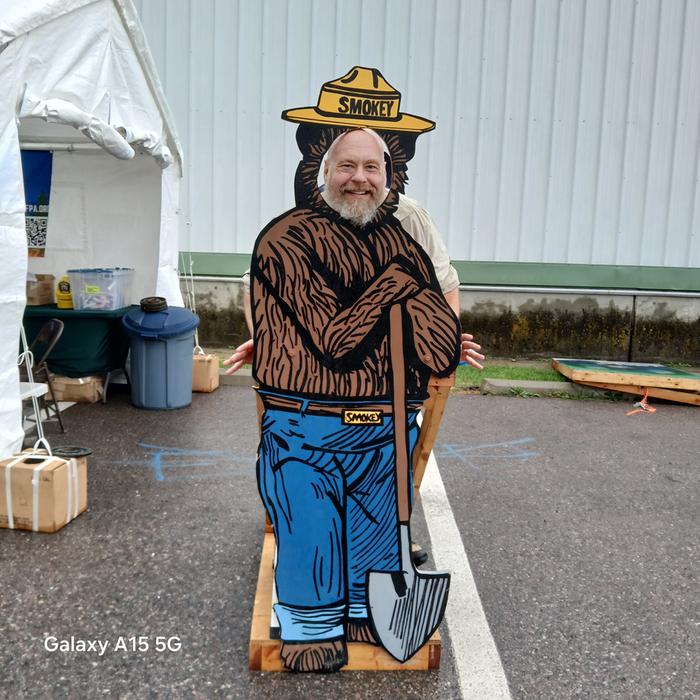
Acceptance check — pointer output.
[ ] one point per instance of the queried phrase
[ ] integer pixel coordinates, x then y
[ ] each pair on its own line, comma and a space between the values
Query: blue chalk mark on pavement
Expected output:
166, 461
488, 454
161, 457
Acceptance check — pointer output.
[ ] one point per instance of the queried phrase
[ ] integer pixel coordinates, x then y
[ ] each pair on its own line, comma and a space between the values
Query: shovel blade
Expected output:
406, 608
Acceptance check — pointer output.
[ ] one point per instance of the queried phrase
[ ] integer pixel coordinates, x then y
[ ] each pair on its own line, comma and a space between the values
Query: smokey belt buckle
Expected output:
362, 416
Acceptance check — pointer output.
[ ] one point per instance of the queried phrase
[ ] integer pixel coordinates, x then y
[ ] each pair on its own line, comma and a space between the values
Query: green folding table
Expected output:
93, 342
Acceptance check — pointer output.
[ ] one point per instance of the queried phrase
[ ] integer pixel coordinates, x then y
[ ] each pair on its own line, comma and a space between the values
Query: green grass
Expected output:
467, 376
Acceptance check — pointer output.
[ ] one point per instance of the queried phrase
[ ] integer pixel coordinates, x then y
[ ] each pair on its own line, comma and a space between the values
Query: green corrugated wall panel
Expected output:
685, 279
518, 274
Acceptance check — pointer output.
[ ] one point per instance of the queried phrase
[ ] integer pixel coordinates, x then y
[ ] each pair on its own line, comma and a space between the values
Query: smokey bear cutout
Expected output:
349, 325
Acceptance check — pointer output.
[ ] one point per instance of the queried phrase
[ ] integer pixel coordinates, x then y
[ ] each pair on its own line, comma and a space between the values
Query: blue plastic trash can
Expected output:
161, 342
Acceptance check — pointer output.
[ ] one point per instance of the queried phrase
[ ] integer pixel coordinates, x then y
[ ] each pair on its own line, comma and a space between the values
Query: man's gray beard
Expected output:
358, 213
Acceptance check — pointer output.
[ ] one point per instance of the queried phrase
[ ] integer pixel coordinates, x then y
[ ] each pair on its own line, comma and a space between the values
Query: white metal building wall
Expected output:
568, 130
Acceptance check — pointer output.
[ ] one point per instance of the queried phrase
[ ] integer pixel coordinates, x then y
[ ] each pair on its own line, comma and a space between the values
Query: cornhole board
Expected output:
264, 646
658, 380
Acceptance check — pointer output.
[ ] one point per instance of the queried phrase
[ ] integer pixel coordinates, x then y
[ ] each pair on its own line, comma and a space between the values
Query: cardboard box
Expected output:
82, 461
78, 389
40, 289
45, 492
205, 373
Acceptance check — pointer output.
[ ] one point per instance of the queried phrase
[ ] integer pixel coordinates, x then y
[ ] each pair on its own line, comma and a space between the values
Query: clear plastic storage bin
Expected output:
101, 288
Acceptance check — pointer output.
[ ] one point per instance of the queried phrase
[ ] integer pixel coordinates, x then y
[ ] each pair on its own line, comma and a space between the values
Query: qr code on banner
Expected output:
36, 231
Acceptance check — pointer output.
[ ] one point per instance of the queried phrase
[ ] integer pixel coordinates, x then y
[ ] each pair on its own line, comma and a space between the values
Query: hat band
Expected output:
334, 104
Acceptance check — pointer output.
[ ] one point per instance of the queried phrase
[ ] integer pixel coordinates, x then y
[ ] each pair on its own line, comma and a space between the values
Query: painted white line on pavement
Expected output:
481, 674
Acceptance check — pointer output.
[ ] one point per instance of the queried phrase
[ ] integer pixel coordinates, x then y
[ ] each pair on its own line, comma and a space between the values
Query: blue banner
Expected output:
36, 169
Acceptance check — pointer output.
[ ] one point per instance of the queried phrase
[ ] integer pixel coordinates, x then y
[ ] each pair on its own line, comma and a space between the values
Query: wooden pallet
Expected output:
264, 652
655, 392
628, 374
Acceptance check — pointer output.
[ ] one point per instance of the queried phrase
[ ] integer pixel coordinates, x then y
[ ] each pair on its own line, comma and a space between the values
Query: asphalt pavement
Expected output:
580, 525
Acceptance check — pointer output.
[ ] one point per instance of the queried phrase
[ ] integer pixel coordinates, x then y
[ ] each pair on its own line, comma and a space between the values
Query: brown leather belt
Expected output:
284, 403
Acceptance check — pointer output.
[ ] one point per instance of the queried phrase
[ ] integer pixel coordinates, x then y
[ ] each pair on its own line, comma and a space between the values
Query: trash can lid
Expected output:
175, 320
70, 451
152, 304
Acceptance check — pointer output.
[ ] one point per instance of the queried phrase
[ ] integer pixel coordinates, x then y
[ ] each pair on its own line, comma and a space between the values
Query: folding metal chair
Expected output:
41, 348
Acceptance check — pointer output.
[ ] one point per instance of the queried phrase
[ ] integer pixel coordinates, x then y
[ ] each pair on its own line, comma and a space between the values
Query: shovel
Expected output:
405, 606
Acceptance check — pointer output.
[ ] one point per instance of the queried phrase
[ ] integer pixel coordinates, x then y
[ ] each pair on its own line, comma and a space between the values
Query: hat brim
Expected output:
405, 122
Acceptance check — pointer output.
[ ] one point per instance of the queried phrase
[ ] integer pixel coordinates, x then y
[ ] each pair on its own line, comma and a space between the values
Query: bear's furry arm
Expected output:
436, 331
289, 270
434, 327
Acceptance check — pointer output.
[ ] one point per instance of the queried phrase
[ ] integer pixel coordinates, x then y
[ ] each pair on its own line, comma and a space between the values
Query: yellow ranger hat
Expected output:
361, 98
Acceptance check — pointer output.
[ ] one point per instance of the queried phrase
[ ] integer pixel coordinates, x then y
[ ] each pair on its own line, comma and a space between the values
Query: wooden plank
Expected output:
260, 626
264, 653
655, 392
442, 381
673, 379
433, 410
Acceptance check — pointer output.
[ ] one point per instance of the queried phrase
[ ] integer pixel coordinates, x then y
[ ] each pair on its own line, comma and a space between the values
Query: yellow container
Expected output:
64, 298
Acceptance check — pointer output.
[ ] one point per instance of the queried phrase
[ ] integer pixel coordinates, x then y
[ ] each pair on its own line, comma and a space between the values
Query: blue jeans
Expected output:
330, 492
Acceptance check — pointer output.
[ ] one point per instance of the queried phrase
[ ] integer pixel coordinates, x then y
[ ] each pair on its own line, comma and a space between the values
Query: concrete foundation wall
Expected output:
219, 305
667, 327
633, 327
522, 324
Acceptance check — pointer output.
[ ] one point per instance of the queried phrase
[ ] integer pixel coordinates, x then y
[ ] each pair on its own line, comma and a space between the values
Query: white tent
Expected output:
78, 80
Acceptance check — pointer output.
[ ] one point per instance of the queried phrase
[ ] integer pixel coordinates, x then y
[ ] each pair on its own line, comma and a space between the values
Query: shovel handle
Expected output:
398, 399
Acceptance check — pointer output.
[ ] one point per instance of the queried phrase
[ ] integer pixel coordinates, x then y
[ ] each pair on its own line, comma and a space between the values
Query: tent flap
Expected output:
85, 64
63, 112
149, 143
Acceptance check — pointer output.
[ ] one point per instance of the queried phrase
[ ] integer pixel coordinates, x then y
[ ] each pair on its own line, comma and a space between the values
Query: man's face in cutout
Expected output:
355, 176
